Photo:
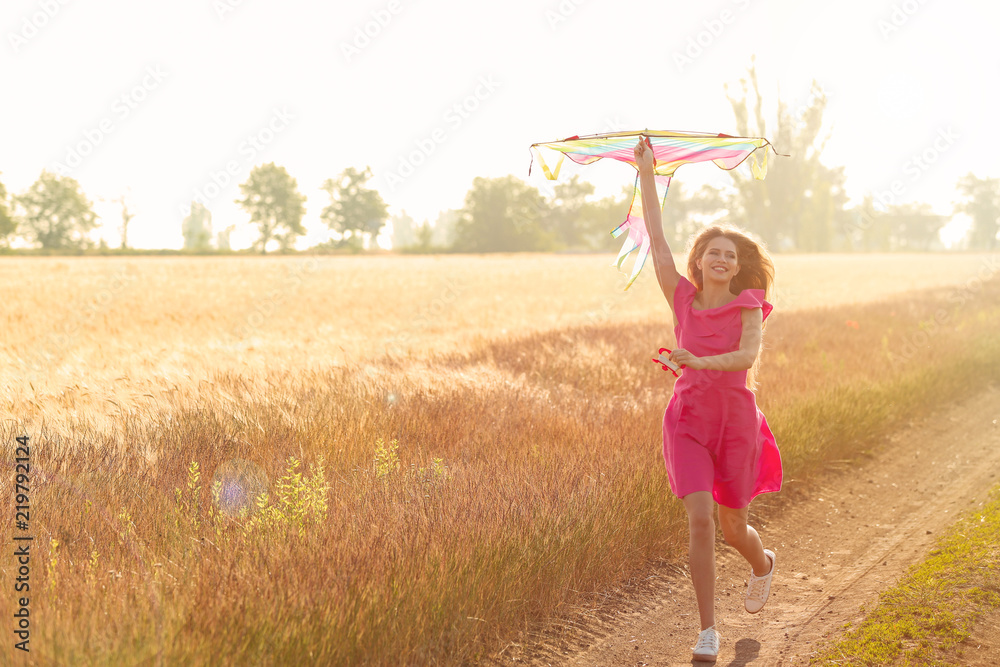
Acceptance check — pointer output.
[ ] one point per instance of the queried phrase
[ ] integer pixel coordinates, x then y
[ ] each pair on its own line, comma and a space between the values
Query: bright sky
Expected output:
167, 101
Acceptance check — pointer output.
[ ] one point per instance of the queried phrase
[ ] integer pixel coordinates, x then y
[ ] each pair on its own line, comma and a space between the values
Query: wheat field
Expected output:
405, 460
86, 337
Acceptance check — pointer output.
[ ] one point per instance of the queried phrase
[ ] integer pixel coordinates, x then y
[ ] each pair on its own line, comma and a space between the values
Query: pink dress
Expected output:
715, 438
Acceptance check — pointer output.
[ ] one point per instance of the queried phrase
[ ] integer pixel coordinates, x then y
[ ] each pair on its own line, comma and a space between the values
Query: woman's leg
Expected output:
701, 551
744, 538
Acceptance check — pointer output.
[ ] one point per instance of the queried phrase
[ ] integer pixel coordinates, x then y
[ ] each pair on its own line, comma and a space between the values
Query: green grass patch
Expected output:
927, 616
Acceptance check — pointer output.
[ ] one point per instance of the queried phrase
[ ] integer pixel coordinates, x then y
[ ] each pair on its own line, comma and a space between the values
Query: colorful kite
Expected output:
670, 151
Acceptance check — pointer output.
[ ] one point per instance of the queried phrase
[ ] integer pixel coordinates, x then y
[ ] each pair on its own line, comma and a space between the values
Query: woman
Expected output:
716, 443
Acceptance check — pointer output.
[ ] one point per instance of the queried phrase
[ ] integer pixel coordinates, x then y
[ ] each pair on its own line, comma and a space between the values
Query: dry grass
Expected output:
86, 337
444, 502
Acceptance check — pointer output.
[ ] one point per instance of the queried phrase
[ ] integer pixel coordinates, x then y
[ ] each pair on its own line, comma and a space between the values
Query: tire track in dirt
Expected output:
852, 536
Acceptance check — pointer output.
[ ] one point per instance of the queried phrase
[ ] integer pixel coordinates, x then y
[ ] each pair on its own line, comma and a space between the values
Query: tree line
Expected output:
800, 206
55, 214
787, 210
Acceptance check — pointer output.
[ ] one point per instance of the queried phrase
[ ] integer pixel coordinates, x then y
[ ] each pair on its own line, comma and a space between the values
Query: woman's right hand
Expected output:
683, 358
644, 155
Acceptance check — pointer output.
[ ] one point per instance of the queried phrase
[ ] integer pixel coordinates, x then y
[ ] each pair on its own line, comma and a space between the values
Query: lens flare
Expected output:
239, 483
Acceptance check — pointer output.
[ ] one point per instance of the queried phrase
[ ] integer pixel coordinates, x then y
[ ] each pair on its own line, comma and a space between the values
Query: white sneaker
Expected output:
759, 587
707, 648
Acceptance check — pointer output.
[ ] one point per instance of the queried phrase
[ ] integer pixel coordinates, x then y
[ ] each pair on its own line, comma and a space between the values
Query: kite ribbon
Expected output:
635, 226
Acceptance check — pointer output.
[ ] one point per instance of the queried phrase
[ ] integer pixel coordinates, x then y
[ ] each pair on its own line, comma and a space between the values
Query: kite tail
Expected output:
759, 168
551, 174
635, 225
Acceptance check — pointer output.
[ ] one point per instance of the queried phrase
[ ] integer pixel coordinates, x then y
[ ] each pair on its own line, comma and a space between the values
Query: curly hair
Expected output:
756, 270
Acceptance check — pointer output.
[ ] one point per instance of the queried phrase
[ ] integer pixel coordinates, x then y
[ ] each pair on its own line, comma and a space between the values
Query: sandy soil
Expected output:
982, 649
850, 536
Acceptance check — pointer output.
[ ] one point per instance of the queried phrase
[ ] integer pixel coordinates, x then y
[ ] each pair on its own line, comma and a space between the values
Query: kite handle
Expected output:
666, 363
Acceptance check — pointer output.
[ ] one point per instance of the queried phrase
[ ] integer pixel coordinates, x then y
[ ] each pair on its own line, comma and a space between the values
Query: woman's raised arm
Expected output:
663, 261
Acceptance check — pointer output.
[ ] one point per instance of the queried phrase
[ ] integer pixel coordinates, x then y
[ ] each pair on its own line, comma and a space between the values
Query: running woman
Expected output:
717, 445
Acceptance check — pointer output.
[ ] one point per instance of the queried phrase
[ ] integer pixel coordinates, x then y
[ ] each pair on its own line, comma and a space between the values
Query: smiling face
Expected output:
719, 262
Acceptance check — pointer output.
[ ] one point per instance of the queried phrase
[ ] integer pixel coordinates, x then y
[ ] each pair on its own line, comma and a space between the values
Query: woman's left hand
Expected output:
644, 155
682, 357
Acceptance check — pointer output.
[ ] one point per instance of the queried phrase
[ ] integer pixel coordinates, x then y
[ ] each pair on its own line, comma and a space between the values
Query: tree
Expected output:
914, 226
222, 238
599, 217
55, 213
126, 218
566, 211
197, 228
684, 214
425, 237
798, 203
594, 220
403, 231
502, 215
443, 231
422, 241
355, 212
707, 206
7, 225
869, 227
980, 200
272, 198
124, 201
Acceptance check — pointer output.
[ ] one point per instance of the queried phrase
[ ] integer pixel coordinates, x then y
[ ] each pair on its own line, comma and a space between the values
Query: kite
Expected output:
670, 151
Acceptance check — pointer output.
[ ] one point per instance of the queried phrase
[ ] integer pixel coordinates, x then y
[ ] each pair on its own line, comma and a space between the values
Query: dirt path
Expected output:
851, 537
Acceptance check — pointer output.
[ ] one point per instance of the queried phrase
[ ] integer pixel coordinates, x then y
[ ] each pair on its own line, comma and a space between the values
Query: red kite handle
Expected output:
666, 363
